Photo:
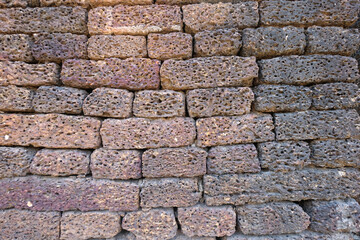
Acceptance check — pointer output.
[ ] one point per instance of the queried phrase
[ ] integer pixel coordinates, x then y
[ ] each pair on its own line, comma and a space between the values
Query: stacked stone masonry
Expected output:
180, 119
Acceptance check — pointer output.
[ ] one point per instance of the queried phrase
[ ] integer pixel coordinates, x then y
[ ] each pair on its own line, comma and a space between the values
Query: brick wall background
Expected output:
179, 119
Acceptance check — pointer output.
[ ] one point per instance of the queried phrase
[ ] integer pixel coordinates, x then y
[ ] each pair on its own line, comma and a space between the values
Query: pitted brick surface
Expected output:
301, 236
16, 47
16, 99
15, 161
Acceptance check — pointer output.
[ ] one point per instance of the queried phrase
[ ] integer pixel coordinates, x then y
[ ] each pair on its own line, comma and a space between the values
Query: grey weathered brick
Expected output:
305, 235
181, 236
218, 71
233, 159
16, 99
219, 101
234, 130
15, 47
174, 162
139, 133
15, 161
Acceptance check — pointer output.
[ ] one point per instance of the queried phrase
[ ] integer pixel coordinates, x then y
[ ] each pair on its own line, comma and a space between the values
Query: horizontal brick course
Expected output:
14, 3
16, 99
15, 161
16, 47
57, 3
300, 236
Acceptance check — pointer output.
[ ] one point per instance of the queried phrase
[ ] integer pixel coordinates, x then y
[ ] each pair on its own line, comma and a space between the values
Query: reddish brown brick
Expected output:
174, 162
96, 3
16, 99
15, 161
115, 164
16, 47
14, 3
107, 46
49, 130
57, 3
139, 133
59, 162
131, 73
172, 45
135, 20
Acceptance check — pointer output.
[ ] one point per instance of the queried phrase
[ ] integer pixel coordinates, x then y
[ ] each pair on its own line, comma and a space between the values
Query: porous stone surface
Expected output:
233, 159
32, 75
162, 103
80, 225
135, 20
334, 216
57, 3
49, 130
332, 40
218, 71
57, 47
317, 125
24, 224
16, 99
174, 162
151, 224
170, 192
175, 45
108, 102
266, 42
139, 133
48, 19
60, 162
298, 185
121, 46
200, 17
305, 235
220, 42
53, 99
15, 47
272, 218
304, 70
201, 220
131, 73
284, 156
96, 3
335, 96
15, 161
234, 130
219, 101
115, 164
64, 194
181, 236
14, 3
336, 153
282, 98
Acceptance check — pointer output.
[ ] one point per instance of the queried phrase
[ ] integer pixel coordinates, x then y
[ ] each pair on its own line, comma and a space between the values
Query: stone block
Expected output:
15, 47
15, 161
16, 99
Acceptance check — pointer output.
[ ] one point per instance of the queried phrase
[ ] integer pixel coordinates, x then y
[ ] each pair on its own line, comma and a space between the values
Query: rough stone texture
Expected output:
52, 99
303, 70
222, 42
164, 103
317, 125
139, 133
156, 224
219, 101
107, 46
282, 98
63, 194
284, 156
218, 71
181, 236
332, 40
174, 162
170, 192
335, 96
16, 99
233, 159
14, 3
24, 74
15, 161
308, 12
334, 216
57, 47
16, 47
175, 45
23, 224
272, 218
201, 220
135, 20
59, 162
233, 130
49, 130
57, 3
47, 19
131, 73
114, 164
306, 235
290, 186
336, 153
79, 225
108, 102
206, 16
96, 3
266, 42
